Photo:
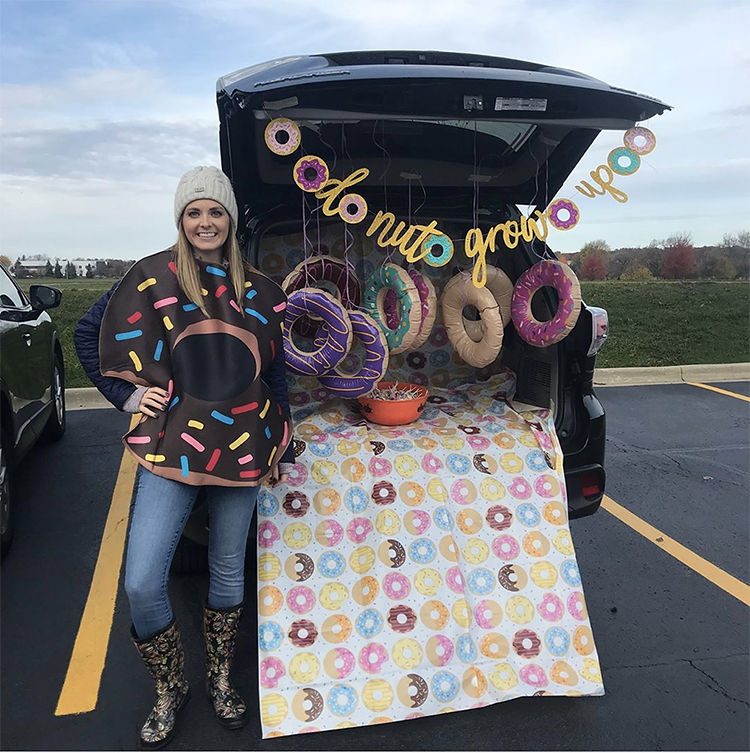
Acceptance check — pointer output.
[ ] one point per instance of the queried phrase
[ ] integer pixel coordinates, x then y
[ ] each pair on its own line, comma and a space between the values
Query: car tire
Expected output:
55, 427
6, 485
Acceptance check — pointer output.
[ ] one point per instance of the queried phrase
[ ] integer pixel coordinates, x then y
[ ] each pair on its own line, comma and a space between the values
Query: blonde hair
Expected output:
187, 269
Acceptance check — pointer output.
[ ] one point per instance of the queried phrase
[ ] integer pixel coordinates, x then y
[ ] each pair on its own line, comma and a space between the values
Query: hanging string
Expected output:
384, 174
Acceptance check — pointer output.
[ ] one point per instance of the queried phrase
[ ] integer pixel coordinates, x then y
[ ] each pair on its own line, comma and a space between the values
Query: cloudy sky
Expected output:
105, 103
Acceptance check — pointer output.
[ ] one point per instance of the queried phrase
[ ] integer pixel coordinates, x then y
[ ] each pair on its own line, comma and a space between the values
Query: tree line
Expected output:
675, 258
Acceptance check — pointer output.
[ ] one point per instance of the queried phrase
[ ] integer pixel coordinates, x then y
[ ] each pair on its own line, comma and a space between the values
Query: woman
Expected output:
191, 339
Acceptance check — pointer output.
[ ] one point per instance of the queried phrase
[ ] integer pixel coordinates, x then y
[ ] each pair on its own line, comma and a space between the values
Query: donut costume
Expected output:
223, 425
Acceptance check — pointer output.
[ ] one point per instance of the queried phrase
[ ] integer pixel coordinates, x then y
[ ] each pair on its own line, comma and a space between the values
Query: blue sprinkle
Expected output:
189, 307
254, 313
159, 349
129, 335
174, 402
216, 271
268, 433
251, 294
221, 417
184, 464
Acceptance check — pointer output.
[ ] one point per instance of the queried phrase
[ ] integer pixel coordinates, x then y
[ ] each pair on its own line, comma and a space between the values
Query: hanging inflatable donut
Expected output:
459, 293
310, 173
562, 278
389, 276
499, 284
282, 136
428, 301
309, 273
376, 361
338, 332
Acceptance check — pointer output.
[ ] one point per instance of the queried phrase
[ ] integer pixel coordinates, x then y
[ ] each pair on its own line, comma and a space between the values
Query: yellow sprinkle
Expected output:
248, 284
195, 424
136, 361
265, 409
146, 284
270, 457
168, 323
204, 291
240, 440
156, 458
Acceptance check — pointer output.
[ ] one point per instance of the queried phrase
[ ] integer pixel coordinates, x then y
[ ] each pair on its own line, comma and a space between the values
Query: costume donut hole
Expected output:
213, 367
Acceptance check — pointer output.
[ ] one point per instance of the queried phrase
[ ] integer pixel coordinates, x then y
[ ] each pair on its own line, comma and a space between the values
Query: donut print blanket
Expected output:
419, 570
223, 425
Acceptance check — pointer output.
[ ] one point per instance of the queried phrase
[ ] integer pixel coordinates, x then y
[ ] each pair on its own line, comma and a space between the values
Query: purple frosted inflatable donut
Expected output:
329, 269
338, 332
562, 278
375, 365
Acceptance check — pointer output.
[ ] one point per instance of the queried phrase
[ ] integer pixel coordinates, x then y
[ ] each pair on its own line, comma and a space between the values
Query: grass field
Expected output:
654, 323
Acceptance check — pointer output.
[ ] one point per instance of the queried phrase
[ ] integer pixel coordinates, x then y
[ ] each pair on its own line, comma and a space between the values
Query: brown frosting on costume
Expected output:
223, 425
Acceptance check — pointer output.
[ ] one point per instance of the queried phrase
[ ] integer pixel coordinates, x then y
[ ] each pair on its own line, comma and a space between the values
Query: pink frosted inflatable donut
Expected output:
338, 331
310, 173
562, 278
282, 136
375, 364
320, 269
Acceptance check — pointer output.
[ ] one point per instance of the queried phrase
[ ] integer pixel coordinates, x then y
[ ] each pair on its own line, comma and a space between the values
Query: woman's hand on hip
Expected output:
154, 399
275, 478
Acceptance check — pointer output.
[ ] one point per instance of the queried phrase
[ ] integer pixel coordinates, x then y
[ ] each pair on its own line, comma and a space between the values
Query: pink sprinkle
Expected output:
280, 307
234, 305
192, 441
286, 429
172, 267
220, 291
133, 318
245, 459
139, 440
165, 302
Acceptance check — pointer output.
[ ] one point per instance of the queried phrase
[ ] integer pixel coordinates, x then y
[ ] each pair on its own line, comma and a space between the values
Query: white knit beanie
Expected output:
204, 183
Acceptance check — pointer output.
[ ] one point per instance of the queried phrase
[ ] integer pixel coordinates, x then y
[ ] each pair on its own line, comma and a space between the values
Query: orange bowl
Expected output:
394, 412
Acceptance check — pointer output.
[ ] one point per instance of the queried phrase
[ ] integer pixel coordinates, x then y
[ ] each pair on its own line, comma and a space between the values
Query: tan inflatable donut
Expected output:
501, 287
458, 293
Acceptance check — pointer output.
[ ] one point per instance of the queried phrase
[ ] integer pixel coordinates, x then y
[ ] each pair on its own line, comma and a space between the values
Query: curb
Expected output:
702, 372
88, 398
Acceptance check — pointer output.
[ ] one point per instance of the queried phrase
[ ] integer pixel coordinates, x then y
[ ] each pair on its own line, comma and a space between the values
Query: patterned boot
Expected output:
220, 633
164, 658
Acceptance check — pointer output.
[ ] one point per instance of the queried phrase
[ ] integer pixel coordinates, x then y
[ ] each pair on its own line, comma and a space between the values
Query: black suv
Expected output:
454, 122
32, 383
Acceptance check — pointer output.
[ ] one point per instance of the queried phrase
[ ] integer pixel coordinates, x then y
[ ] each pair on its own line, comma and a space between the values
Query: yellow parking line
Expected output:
709, 571
80, 690
719, 390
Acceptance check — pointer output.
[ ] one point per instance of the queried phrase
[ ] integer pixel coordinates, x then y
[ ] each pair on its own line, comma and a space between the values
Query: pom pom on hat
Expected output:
204, 183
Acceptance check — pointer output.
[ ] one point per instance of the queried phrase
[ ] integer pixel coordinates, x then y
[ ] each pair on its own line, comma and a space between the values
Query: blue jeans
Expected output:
160, 511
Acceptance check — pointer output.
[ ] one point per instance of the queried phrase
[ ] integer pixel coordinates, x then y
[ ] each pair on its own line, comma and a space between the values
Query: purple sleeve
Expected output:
86, 340
275, 378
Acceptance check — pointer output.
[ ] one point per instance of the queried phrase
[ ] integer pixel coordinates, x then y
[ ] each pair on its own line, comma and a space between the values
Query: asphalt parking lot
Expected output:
669, 603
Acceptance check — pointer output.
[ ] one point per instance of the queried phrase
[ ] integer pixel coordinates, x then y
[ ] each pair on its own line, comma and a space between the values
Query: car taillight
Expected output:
591, 484
599, 329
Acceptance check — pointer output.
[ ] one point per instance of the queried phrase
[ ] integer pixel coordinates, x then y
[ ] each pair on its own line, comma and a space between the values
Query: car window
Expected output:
10, 295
